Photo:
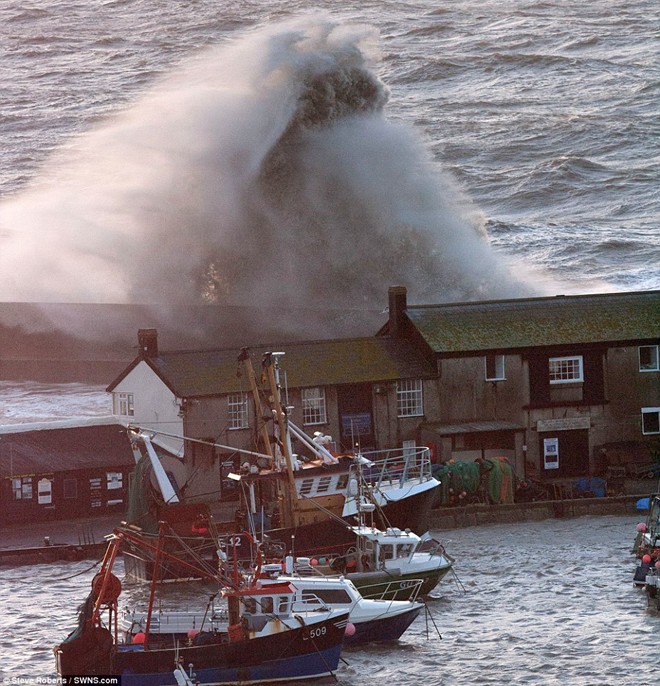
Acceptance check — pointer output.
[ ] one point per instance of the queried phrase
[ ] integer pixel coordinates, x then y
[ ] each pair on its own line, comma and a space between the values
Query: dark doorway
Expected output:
355, 415
568, 449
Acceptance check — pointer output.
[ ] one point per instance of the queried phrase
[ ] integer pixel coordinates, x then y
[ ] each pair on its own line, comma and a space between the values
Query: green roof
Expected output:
534, 322
312, 363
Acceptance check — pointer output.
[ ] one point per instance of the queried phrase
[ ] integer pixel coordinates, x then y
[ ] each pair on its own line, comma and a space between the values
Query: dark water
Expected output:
542, 603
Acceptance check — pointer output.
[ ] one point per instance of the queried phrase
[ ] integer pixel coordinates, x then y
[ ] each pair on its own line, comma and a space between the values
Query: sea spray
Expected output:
263, 171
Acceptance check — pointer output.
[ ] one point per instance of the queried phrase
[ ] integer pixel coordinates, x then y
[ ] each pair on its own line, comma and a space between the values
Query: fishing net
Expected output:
138, 511
489, 480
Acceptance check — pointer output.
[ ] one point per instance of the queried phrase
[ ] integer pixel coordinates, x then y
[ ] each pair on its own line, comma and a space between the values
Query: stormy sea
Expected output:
274, 154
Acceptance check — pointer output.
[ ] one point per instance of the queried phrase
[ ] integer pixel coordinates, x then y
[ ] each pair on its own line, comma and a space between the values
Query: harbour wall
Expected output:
480, 514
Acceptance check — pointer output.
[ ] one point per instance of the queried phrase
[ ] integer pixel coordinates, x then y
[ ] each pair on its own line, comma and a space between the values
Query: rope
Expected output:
63, 578
429, 615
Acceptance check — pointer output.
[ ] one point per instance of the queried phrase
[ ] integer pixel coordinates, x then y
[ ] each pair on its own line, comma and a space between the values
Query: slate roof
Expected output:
311, 363
533, 322
64, 449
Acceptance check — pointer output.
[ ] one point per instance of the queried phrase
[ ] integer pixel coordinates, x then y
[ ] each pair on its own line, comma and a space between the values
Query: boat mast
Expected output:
290, 496
244, 358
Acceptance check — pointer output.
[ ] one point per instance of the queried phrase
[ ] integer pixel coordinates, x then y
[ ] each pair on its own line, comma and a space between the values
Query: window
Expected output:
313, 403
123, 404
651, 420
250, 605
409, 400
386, 552
330, 596
22, 488
566, 369
238, 410
404, 550
495, 368
649, 359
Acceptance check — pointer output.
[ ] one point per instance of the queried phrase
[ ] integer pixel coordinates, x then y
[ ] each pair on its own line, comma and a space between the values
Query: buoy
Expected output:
657, 564
139, 638
646, 559
350, 629
192, 633
641, 527
314, 562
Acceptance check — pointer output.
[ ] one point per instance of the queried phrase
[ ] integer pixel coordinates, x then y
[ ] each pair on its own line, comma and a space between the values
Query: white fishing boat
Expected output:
369, 620
385, 564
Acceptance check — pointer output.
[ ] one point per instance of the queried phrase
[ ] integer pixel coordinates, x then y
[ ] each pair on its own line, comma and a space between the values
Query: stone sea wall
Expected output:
480, 514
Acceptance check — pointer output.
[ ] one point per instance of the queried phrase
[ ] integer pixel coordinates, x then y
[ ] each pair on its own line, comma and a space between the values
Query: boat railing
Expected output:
392, 468
310, 602
392, 590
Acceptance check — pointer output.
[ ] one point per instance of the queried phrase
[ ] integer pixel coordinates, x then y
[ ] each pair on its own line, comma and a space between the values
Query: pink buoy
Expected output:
641, 527
657, 564
192, 633
646, 559
314, 562
139, 638
350, 629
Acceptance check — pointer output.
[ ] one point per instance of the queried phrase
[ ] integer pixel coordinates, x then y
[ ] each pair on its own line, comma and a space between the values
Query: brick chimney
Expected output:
398, 304
148, 342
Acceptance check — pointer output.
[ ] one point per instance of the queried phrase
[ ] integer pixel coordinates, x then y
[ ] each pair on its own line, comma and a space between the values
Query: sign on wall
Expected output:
45, 491
551, 453
356, 423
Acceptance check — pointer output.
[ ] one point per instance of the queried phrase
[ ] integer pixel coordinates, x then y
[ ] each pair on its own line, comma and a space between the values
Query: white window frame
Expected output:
237, 409
568, 369
314, 406
497, 362
21, 487
654, 354
124, 404
651, 411
409, 398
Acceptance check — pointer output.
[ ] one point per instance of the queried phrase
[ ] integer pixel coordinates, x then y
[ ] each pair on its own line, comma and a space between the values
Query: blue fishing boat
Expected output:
266, 638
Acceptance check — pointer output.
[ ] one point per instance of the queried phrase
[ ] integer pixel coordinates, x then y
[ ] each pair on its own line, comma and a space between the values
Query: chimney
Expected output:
398, 304
148, 342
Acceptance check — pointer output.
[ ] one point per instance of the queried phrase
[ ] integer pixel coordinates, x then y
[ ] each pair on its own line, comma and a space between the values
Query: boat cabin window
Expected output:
404, 550
342, 482
283, 605
386, 551
267, 605
331, 596
250, 605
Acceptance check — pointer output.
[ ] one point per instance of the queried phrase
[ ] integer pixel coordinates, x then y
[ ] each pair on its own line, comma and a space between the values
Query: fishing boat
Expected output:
307, 495
369, 619
392, 564
265, 639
